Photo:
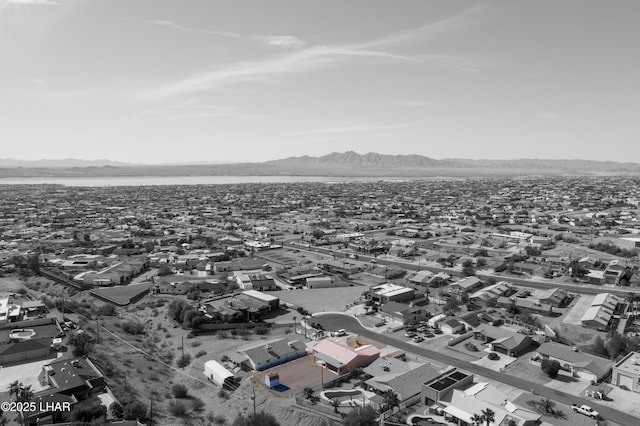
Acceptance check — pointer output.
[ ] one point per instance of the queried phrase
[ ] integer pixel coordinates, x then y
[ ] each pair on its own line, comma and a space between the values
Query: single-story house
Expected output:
590, 367
601, 311
502, 340
451, 326
271, 354
555, 297
406, 384
389, 292
468, 284
339, 357
403, 312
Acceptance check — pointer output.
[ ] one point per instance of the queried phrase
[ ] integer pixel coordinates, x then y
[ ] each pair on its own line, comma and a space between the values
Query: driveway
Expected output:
626, 401
496, 365
574, 316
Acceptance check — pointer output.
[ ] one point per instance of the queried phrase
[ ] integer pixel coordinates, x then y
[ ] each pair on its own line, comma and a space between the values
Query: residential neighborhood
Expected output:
415, 302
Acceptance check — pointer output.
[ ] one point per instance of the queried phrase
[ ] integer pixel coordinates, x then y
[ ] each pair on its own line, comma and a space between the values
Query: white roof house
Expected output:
217, 373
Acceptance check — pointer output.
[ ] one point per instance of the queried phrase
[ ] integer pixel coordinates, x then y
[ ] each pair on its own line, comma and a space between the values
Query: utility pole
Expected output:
182, 346
151, 411
253, 388
98, 328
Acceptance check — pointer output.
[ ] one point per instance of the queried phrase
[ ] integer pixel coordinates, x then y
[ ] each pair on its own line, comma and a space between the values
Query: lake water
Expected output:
185, 180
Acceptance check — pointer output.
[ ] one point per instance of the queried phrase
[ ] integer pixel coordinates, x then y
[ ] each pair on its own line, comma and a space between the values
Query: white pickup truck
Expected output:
586, 410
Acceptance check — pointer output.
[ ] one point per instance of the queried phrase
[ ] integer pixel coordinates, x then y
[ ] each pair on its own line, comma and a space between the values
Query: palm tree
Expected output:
21, 393
476, 419
547, 404
308, 392
390, 399
335, 404
488, 416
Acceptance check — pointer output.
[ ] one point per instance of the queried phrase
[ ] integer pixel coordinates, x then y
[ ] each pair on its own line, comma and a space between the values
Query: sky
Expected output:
158, 81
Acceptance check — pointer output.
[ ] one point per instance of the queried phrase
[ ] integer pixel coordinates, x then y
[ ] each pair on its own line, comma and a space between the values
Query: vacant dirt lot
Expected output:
321, 299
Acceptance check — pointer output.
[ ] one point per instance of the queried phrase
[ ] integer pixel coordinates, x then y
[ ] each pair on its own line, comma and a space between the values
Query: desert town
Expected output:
419, 302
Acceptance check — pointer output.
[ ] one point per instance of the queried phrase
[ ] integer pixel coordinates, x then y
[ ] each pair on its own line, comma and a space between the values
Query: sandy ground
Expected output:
321, 299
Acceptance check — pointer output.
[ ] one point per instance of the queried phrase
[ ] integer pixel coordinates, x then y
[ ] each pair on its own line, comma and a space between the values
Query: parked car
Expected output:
418, 339
339, 333
470, 346
586, 410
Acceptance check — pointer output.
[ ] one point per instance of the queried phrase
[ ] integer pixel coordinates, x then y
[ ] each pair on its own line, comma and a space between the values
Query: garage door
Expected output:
587, 376
625, 381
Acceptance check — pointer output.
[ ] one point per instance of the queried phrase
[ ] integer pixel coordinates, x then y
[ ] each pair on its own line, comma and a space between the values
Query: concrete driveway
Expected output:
496, 365
574, 316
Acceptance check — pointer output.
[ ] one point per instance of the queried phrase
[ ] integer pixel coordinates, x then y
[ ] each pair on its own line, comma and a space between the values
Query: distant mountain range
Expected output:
67, 162
347, 163
375, 160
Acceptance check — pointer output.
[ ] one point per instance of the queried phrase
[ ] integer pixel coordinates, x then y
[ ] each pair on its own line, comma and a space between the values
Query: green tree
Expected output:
20, 393
135, 410
82, 344
617, 345
164, 269
550, 367
361, 416
476, 419
3, 419
117, 411
88, 414
599, 346
390, 400
258, 419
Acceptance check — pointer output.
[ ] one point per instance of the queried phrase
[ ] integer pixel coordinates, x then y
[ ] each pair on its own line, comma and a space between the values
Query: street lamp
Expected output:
322, 367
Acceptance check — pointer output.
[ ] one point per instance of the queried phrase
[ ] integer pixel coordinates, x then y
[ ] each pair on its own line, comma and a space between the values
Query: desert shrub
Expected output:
261, 330
179, 390
222, 394
132, 327
195, 344
107, 309
177, 408
183, 361
197, 404
201, 353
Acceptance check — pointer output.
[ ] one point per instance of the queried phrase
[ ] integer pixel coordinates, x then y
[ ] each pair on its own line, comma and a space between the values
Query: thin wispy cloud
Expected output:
29, 2
173, 25
554, 116
313, 58
283, 41
413, 103
357, 128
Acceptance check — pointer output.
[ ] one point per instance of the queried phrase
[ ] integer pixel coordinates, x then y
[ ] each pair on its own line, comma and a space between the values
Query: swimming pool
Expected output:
22, 333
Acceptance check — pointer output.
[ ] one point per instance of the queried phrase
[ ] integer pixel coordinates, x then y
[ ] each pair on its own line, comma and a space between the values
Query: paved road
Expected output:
338, 321
534, 283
